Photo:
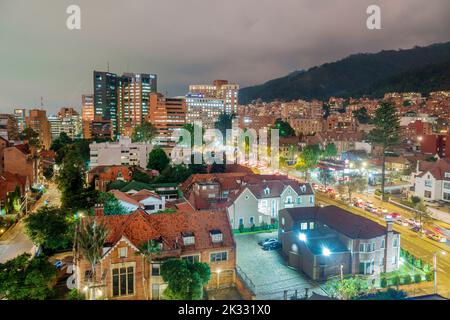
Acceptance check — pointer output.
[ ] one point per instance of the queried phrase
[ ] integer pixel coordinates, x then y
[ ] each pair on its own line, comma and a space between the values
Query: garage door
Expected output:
222, 280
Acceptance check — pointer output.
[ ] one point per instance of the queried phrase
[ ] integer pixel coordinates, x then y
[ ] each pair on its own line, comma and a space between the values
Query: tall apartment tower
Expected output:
166, 115
105, 98
87, 114
205, 102
37, 120
20, 115
133, 96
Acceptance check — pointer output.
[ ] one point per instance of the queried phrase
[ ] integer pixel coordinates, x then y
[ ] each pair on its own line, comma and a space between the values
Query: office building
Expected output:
105, 98
20, 115
87, 114
37, 120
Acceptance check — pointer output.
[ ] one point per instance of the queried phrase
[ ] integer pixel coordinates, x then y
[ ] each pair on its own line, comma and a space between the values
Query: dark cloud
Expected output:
247, 41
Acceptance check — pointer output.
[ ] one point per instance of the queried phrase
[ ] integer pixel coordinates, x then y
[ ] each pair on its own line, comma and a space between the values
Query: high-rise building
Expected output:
37, 120
87, 114
206, 102
67, 120
8, 127
133, 99
105, 97
166, 115
20, 115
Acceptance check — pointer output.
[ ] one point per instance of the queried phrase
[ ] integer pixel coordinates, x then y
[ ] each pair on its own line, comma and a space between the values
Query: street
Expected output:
15, 242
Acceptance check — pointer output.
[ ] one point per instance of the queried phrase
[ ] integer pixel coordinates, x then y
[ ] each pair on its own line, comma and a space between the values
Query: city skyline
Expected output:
243, 45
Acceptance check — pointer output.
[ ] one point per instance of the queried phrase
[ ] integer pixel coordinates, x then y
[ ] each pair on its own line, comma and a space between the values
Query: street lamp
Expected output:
302, 237
326, 252
435, 269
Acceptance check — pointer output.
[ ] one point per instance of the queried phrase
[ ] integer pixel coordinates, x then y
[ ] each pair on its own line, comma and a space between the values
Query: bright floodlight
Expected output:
302, 237
326, 252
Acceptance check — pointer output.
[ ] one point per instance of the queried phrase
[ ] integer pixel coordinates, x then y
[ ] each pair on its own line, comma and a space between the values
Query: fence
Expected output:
246, 280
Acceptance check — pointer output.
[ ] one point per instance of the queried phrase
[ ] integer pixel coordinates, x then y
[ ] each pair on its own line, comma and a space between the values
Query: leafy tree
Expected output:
149, 250
308, 159
176, 173
71, 181
362, 116
326, 177
60, 142
158, 160
111, 205
75, 295
90, 238
185, 280
347, 289
30, 136
144, 132
49, 227
330, 151
141, 176
223, 123
48, 172
285, 128
23, 278
386, 134
389, 294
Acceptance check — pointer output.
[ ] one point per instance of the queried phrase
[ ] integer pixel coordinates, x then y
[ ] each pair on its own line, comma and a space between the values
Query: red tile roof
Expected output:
140, 227
437, 169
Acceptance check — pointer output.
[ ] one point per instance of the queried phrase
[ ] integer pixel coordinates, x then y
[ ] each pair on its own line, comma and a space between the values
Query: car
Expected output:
271, 246
401, 222
267, 241
411, 222
393, 216
435, 237
59, 264
415, 229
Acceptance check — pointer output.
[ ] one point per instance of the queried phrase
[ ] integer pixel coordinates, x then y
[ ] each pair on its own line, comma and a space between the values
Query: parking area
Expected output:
268, 270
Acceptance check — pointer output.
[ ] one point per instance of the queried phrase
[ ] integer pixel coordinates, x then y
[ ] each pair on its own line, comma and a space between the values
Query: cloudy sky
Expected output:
192, 41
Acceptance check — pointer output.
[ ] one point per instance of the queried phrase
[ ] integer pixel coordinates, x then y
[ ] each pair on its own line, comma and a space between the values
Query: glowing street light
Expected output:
326, 252
302, 237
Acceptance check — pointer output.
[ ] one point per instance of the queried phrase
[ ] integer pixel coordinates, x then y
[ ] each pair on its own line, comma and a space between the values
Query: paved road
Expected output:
268, 270
421, 247
15, 242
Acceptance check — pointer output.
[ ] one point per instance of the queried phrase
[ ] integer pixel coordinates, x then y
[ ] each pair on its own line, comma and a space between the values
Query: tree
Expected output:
71, 181
48, 172
90, 238
362, 116
60, 142
185, 280
158, 160
389, 294
49, 227
23, 278
31, 137
347, 289
224, 122
326, 177
144, 132
141, 176
148, 250
330, 151
386, 134
354, 185
285, 128
422, 214
111, 205
175, 174
308, 159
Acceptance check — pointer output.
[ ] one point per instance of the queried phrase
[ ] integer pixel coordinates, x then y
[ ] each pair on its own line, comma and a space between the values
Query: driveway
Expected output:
268, 270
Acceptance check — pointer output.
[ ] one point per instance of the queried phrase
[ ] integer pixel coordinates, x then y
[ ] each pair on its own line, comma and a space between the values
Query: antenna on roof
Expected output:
42, 101
107, 63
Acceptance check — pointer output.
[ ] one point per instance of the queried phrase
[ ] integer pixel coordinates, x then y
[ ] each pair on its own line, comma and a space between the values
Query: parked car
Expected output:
272, 246
267, 241
393, 216
401, 222
59, 264
435, 237
411, 222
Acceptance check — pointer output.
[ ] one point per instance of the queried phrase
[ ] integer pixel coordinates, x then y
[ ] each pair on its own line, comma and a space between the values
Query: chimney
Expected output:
389, 226
99, 210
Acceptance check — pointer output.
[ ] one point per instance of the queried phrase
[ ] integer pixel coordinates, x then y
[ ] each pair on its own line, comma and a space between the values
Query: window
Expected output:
446, 185
189, 240
382, 243
373, 246
123, 252
428, 183
241, 221
394, 259
192, 259
123, 281
156, 267
150, 207
299, 200
216, 236
361, 247
303, 226
446, 196
282, 221
246, 197
395, 242
447, 174
311, 199
266, 191
288, 199
427, 194
252, 220
366, 267
311, 225
219, 256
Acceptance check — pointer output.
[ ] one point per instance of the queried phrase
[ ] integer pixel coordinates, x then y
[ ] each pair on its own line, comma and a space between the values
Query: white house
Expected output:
432, 180
260, 203
144, 199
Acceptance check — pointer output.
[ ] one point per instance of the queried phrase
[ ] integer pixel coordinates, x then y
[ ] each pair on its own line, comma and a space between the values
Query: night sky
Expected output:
192, 41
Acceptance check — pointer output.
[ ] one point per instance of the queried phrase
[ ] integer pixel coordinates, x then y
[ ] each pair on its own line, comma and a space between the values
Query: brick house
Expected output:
325, 241
3, 145
9, 182
146, 200
102, 176
19, 160
196, 236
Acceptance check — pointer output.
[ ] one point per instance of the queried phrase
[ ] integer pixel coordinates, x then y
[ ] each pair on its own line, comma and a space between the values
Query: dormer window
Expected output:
216, 236
188, 238
267, 191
